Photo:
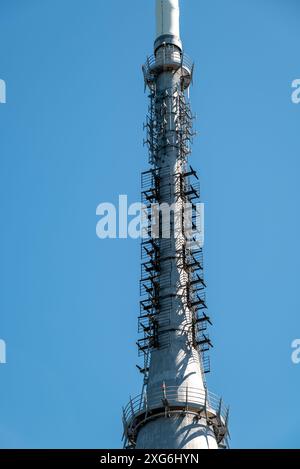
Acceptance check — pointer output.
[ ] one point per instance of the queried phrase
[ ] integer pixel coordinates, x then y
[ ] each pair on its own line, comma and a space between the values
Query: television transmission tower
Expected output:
175, 409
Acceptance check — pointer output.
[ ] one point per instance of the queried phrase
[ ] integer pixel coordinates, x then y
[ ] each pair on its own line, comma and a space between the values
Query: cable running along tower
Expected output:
175, 409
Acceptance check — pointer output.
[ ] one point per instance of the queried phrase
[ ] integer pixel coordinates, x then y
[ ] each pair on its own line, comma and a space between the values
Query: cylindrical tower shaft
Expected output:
177, 364
167, 18
175, 409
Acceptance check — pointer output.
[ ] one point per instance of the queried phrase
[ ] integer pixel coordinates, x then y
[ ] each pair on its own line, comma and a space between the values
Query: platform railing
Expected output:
175, 396
166, 57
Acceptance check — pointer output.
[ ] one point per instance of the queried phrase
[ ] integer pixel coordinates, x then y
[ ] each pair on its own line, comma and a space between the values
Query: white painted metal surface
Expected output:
175, 410
167, 18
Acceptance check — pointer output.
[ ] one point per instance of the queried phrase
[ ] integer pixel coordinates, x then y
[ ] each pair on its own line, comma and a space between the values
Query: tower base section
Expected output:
176, 432
175, 417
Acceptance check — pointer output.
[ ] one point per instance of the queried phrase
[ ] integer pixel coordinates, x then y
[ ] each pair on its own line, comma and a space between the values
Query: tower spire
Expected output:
167, 23
175, 410
167, 18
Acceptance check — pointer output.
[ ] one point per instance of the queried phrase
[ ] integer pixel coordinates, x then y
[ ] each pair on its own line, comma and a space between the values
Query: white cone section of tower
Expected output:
167, 18
175, 367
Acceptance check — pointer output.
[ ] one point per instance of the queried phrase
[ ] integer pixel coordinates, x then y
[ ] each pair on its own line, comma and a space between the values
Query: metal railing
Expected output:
175, 396
167, 57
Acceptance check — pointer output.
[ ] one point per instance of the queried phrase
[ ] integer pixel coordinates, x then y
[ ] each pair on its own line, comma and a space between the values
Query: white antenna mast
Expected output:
167, 18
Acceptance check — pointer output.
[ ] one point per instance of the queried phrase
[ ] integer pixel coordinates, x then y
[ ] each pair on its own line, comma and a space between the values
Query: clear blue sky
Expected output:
71, 137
